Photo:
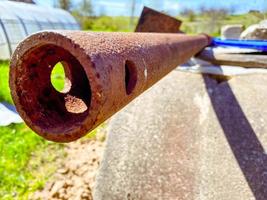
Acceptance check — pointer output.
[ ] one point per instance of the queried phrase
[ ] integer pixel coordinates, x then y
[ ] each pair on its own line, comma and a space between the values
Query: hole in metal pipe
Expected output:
130, 76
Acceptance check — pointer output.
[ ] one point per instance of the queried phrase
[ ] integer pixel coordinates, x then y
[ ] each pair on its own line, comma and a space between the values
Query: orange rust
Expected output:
105, 70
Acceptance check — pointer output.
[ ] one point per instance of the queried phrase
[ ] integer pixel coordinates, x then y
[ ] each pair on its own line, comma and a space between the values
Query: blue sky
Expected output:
123, 7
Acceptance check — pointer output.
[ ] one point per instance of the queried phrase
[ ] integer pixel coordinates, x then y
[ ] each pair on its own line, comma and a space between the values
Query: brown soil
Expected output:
75, 178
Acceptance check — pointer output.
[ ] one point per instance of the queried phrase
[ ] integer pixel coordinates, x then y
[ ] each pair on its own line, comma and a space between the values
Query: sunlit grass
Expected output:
4, 88
58, 77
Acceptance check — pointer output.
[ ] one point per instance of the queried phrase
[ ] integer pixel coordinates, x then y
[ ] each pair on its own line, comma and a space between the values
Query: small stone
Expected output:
63, 170
85, 194
255, 32
231, 31
101, 136
56, 187
68, 183
50, 185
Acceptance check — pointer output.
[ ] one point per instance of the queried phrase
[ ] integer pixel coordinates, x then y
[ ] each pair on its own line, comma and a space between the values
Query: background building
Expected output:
18, 20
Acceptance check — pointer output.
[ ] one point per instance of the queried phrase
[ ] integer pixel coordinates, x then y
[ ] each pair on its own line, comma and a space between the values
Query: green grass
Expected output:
58, 77
209, 25
108, 23
4, 88
25, 158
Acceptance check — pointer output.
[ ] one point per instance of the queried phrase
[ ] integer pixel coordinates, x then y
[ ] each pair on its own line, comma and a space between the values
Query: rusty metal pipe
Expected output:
105, 72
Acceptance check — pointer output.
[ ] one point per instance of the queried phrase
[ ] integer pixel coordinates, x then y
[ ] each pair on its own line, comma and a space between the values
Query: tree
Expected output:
189, 13
132, 13
84, 14
86, 8
214, 13
25, 1
213, 18
65, 4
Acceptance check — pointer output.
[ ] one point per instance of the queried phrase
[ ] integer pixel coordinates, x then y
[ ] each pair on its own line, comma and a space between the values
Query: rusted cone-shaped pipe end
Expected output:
104, 72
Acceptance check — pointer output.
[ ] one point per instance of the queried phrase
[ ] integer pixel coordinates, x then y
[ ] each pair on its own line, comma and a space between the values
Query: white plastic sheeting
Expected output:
18, 20
195, 65
8, 115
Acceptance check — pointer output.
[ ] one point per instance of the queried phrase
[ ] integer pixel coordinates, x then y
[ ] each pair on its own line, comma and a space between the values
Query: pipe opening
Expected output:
50, 108
130, 76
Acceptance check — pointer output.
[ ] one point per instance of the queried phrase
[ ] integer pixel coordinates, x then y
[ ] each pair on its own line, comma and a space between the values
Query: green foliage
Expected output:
58, 77
208, 21
106, 23
211, 21
189, 14
245, 19
4, 91
86, 8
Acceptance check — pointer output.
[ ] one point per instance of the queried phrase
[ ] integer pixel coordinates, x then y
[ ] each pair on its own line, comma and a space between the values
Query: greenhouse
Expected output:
18, 20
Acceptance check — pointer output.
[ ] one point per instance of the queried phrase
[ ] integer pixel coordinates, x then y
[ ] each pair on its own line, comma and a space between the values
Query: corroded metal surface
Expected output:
105, 72
154, 21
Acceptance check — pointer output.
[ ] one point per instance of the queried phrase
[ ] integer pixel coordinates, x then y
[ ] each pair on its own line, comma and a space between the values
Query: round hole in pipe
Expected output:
130, 76
59, 80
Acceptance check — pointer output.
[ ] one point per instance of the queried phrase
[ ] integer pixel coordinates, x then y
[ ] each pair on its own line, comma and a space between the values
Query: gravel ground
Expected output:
75, 179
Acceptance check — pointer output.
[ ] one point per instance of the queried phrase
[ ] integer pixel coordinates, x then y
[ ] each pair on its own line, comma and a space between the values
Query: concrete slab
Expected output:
190, 136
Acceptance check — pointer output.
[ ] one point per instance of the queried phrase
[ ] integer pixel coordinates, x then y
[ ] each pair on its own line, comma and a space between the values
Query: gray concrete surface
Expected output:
189, 137
231, 31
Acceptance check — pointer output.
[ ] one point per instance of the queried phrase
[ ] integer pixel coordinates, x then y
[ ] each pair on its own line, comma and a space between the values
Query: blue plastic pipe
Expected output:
249, 44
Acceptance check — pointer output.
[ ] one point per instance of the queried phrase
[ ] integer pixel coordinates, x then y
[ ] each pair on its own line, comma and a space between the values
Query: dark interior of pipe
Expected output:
130, 76
46, 107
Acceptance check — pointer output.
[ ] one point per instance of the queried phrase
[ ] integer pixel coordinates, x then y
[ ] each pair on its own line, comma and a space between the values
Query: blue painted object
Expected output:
249, 44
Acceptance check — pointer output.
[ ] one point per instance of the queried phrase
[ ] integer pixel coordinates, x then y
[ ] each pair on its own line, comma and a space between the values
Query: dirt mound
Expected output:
75, 179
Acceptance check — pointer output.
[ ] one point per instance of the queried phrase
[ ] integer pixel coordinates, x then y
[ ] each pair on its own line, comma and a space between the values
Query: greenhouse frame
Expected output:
18, 20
